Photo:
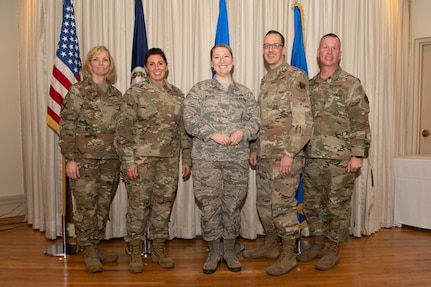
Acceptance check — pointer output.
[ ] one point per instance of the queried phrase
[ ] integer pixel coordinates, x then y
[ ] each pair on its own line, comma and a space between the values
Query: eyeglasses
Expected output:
274, 46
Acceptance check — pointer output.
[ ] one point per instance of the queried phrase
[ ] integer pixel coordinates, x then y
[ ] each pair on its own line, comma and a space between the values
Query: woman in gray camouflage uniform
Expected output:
222, 116
88, 118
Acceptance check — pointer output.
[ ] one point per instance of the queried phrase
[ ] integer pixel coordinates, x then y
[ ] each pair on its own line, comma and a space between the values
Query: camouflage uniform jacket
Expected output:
340, 110
151, 124
88, 120
211, 109
285, 112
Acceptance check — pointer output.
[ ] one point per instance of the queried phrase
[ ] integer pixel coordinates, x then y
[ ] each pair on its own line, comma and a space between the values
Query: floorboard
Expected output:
390, 257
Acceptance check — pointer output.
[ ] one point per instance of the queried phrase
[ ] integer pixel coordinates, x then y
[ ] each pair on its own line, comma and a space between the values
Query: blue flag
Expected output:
140, 46
299, 60
222, 32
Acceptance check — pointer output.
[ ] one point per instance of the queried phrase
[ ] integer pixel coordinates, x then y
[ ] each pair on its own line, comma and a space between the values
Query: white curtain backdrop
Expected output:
375, 39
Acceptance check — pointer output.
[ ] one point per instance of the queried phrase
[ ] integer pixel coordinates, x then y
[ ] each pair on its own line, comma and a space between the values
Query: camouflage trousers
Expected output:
327, 198
93, 192
220, 188
275, 197
151, 197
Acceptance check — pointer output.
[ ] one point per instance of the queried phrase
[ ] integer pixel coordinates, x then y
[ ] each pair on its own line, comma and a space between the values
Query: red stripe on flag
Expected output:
61, 78
53, 115
55, 96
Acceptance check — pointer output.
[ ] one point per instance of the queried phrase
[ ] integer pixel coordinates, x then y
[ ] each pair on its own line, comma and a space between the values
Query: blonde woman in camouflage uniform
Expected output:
340, 140
222, 116
286, 128
88, 119
150, 137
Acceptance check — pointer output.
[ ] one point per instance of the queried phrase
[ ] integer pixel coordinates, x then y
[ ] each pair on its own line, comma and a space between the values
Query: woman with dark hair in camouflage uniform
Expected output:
222, 116
149, 139
88, 118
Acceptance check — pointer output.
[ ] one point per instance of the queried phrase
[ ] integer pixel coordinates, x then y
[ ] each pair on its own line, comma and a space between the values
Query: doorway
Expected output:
422, 129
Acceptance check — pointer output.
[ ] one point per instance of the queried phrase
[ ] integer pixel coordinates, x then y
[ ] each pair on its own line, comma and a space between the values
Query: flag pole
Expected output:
140, 47
299, 60
64, 248
66, 71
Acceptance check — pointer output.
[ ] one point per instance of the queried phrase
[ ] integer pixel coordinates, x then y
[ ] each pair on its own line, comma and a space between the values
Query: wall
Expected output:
11, 172
421, 21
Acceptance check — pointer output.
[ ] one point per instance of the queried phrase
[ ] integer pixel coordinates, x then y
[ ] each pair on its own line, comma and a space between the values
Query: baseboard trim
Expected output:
11, 206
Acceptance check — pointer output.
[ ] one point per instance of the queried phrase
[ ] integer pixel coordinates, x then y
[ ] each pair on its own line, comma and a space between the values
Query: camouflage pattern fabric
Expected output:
327, 197
88, 120
286, 128
220, 173
276, 202
151, 197
93, 192
341, 130
151, 124
340, 111
285, 112
220, 187
210, 109
87, 128
150, 135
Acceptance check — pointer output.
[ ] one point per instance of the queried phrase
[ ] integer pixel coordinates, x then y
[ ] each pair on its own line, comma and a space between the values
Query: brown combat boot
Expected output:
229, 257
213, 260
268, 250
105, 256
331, 258
135, 261
159, 254
91, 259
286, 261
316, 251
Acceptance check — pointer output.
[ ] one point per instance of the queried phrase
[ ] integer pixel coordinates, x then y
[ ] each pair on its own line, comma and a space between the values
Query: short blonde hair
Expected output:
111, 77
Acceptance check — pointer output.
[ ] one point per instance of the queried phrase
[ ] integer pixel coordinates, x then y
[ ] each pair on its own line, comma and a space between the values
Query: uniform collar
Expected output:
332, 77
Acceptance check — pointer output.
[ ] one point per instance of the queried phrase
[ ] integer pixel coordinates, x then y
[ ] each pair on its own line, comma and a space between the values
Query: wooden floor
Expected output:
391, 257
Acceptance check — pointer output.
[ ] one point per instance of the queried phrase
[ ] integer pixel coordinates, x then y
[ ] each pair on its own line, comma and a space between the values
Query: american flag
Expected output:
67, 66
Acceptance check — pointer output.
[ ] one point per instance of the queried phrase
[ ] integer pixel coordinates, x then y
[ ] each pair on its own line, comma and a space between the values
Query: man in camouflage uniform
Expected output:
340, 140
285, 130
149, 139
87, 128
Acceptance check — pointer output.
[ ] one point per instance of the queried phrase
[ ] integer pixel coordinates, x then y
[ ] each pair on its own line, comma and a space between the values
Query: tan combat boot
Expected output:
268, 250
331, 258
91, 259
135, 261
159, 254
316, 251
213, 260
286, 261
105, 256
229, 257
